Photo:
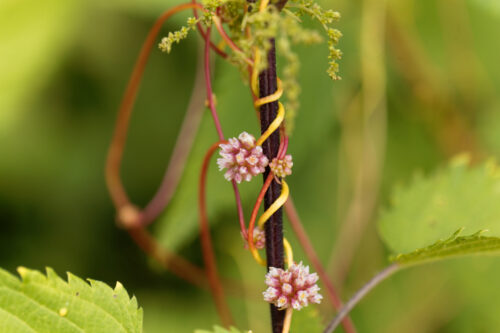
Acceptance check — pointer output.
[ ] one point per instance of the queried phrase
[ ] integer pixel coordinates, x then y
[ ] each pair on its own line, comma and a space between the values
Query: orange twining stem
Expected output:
229, 41
115, 186
253, 218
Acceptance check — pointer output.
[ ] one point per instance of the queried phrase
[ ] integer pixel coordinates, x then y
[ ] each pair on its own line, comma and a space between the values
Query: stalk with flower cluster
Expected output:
253, 30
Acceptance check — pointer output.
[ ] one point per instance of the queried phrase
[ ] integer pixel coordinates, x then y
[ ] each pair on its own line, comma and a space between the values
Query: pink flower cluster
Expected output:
242, 158
259, 239
294, 287
283, 167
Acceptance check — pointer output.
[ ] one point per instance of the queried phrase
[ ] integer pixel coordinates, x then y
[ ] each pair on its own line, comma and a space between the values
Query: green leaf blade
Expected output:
435, 207
46, 303
432, 208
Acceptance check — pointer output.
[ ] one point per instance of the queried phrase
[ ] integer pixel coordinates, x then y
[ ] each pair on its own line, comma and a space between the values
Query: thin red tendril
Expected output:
213, 110
146, 242
206, 242
204, 34
255, 210
137, 218
258, 202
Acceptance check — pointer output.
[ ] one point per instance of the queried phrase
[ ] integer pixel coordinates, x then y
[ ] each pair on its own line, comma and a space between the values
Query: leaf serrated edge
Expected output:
52, 280
454, 246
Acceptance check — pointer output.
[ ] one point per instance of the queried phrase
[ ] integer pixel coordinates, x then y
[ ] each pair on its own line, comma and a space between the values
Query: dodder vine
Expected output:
253, 31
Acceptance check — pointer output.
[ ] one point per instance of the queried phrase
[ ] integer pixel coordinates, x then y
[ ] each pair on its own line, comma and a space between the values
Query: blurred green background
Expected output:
421, 83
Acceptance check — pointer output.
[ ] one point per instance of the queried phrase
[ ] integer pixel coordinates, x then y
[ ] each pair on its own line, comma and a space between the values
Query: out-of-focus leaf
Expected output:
150, 7
42, 303
492, 6
218, 329
32, 36
307, 320
434, 207
488, 129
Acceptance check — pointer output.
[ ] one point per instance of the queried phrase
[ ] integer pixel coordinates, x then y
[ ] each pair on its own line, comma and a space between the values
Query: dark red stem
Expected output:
273, 227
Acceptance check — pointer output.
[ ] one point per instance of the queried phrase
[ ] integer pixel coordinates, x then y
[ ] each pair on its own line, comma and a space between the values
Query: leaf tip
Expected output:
23, 271
118, 286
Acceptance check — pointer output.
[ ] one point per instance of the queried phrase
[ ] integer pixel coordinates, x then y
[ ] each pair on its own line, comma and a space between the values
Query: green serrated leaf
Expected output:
46, 303
454, 246
432, 208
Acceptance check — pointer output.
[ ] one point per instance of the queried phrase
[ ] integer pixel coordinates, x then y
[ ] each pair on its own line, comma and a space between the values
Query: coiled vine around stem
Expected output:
251, 28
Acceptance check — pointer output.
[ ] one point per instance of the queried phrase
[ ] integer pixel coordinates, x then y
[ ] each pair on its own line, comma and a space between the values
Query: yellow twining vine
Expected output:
276, 123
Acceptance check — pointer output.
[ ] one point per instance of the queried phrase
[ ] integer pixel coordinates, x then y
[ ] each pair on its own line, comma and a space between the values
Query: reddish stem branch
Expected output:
130, 216
213, 110
255, 211
208, 84
239, 208
358, 296
306, 244
176, 264
115, 153
262, 193
206, 243
283, 148
204, 35
182, 148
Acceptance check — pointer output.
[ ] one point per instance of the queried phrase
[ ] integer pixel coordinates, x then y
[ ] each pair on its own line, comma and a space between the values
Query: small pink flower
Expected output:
283, 167
259, 239
294, 287
242, 158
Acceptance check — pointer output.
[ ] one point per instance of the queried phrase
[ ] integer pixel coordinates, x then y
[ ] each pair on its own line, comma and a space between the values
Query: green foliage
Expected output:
433, 208
307, 320
491, 6
40, 303
293, 33
218, 329
286, 29
454, 246
326, 18
46, 36
64, 78
264, 26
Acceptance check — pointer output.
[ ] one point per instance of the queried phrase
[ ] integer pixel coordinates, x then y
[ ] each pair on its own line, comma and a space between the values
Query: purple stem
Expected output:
274, 227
